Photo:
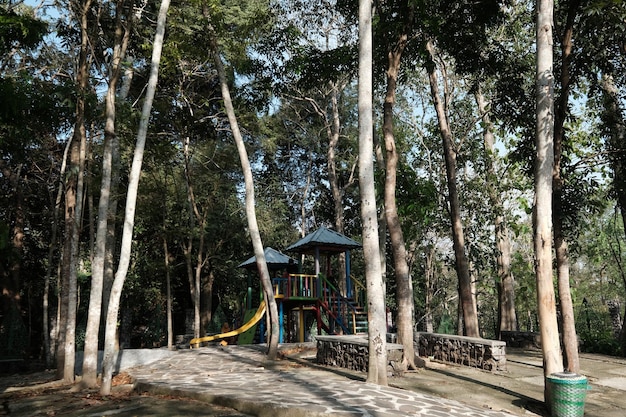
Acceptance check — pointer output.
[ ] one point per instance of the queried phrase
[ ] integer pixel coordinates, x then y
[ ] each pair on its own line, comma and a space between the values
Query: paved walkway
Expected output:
239, 377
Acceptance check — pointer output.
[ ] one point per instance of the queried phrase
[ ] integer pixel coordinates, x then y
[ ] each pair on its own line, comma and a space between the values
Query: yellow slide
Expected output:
254, 320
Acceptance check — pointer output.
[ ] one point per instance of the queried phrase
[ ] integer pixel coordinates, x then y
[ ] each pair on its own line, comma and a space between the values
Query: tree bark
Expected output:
73, 189
546, 302
404, 283
49, 336
196, 219
507, 316
90, 361
470, 316
253, 227
377, 324
430, 287
131, 203
613, 117
337, 191
168, 289
11, 283
570, 340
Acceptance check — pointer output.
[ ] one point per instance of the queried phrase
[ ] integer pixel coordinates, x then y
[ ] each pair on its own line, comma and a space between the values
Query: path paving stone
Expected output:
239, 377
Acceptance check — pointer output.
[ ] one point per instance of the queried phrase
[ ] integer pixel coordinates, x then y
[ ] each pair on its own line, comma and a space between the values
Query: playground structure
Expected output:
304, 299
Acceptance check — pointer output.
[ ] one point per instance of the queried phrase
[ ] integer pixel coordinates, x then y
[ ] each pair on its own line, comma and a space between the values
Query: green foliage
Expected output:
19, 31
446, 325
595, 331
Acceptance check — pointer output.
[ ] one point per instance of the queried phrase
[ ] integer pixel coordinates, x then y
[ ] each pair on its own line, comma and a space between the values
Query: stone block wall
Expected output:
524, 340
352, 352
489, 355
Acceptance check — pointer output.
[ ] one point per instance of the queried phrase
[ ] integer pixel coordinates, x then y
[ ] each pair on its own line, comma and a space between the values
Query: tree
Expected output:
73, 201
470, 316
108, 361
570, 340
505, 282
253, 227
90, 358
377, 326
615, 123
542, 214
404, 283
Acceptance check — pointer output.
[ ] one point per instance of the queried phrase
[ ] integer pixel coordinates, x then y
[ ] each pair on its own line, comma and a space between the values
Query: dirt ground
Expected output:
40, 394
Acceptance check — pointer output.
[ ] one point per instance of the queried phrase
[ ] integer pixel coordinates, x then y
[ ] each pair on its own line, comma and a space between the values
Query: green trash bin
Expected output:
567, 394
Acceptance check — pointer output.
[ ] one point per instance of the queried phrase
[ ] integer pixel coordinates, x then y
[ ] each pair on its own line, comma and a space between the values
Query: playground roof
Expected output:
325, 240
274, 259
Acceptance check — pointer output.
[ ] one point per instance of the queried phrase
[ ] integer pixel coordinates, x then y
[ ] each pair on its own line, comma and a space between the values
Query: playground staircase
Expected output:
358, 321
336, 313
345, 314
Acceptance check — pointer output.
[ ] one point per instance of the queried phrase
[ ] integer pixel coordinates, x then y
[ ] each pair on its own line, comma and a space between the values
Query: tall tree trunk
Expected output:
49, 341
613, 117
187, 251
196, 219
470, 316
430, 287
10, 284
207, 298
12, 323
333, 130
570, 340
542, 216
66, 358
168, 289
377, 323
404, 284
507, 316
90, 361
253, 227
131, 203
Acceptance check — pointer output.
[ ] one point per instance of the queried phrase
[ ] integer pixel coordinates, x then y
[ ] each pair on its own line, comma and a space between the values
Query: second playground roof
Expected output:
273, 258
325, 240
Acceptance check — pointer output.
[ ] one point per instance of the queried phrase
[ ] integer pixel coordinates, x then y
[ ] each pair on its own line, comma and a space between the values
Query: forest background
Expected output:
454, 88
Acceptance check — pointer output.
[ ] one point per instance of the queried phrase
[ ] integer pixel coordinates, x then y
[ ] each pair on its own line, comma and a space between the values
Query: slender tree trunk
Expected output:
377, 323
613, 117
470, 316
66, 358
49, 341
546, 302
17, 241
187, 251
168, 289
253, 227
570, 340
131, 203
10, 283
507, 316
90, 361
11, 289
207, 298
333, 130
404, 284
200, 220
430, 287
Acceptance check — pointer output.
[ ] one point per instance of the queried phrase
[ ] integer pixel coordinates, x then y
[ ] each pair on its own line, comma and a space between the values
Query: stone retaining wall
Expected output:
489, 355
351, 352
524, 340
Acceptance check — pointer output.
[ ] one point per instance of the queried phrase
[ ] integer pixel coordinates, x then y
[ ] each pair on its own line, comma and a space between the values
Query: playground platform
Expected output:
239, 377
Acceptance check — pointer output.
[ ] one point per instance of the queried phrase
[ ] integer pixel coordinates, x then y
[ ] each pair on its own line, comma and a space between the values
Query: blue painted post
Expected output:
280, 322
348, 279
262, 331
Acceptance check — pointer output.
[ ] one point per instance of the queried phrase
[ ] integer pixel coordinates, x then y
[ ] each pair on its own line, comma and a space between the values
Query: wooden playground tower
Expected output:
303, 298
